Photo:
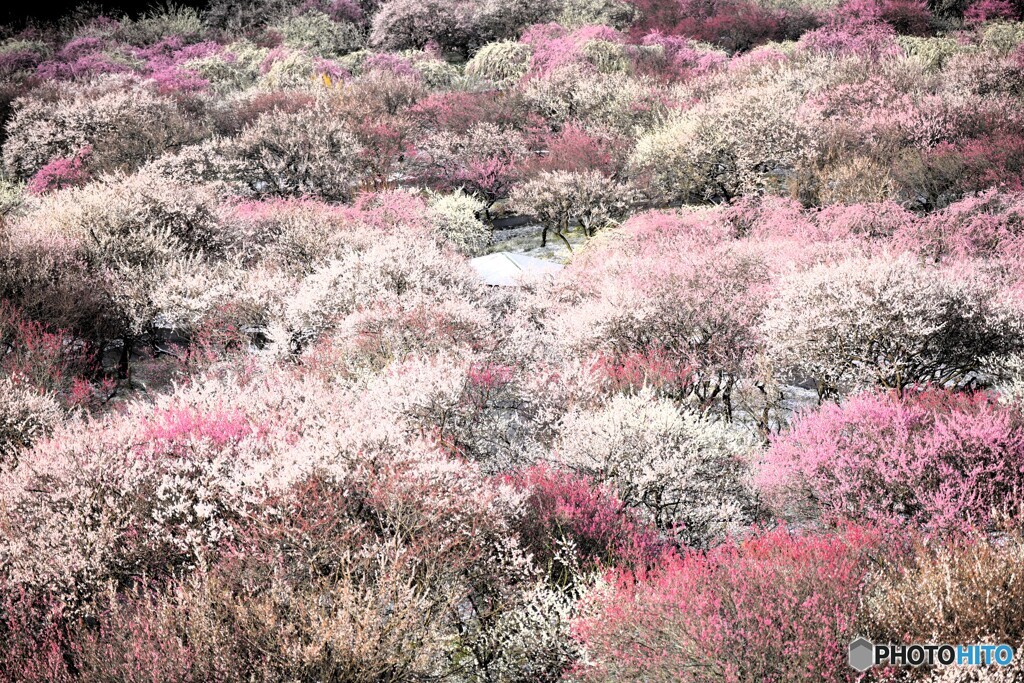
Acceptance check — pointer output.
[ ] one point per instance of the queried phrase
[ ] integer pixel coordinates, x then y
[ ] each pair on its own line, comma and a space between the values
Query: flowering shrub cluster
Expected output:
263, 419
953, 592
931, 459
684, 472
892, 323
775, 606
574, 526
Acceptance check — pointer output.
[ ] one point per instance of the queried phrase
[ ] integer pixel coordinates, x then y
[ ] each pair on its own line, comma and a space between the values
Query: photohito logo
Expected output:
864, 654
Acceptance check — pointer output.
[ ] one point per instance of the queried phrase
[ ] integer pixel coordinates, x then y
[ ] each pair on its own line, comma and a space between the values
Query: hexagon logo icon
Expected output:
862, 654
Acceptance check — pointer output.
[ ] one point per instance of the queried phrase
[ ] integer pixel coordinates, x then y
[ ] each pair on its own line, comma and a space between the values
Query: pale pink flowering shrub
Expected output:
148, 492
652, 232
873, 40
937, 460
665, 285
981, 72
372, 337
300, 235
990, 224
888, 321
309, 152
787, 238
294, 234
776, 606
477, 409
124, 124
135, 217
768, 217
438, 540
772, 218
872, 220
392, 212
119, 504
684, 471
390, 272
587, 198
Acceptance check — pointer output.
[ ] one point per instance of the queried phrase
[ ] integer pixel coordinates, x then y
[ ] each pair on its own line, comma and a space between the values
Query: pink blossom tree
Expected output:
935, 460
775, 606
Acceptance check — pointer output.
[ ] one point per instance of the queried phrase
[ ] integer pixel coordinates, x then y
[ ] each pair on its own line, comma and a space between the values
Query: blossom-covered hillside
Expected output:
262, 420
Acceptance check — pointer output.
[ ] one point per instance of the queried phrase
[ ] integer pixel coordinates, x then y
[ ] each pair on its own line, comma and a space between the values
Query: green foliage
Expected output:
319, 35
502, 63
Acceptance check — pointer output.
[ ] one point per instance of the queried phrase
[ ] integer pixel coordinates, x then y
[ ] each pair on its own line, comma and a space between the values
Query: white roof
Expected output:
505, 269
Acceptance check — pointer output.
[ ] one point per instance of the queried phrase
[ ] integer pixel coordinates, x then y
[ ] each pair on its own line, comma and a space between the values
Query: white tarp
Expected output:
505, 269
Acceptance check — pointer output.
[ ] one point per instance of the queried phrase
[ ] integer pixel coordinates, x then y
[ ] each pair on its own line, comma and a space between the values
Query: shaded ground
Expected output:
526, 240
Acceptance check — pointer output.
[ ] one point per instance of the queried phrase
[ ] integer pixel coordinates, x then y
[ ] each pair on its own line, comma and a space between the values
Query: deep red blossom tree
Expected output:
776, 606
384, 146
731, 24
577, 149
63, 172
573, 526
982, 11
47, 358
